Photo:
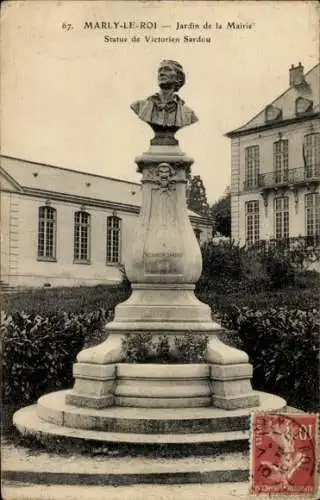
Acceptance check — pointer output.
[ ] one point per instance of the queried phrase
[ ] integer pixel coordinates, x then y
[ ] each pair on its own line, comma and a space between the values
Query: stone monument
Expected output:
164, 264
111, 395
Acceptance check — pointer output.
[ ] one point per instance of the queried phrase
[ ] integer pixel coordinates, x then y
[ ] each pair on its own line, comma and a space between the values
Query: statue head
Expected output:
165, 111
171, 74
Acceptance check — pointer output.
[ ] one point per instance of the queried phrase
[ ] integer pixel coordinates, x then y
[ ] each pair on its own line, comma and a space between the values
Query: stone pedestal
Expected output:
163, 267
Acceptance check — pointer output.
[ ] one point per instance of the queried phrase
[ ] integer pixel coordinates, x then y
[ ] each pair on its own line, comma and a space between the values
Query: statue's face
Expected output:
167, 75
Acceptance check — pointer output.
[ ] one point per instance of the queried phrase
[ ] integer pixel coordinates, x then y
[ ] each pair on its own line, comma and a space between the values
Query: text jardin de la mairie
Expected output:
154, 25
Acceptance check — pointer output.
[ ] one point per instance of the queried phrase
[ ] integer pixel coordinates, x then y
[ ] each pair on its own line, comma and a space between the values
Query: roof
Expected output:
286, 102
32, 177
30, 174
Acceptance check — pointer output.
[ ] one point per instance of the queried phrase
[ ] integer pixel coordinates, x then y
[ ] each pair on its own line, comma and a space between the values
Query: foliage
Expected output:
220, 211
142, 348
38, 351
254, 274
42, 331
284, 347
229, 268
162, 349
275, 323
307, 279
191, 348
196, 195
301, 251
138, 348
221, 265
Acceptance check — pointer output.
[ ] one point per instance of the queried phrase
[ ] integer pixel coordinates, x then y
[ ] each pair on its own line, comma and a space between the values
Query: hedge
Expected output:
38, 351
43, 330
229, 268
284, 347
279, 329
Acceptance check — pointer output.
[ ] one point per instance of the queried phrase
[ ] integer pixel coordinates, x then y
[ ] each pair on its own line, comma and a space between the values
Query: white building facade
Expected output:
62, 227
275, 166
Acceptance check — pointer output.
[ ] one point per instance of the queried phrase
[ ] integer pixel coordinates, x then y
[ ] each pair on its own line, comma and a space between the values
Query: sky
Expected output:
66, 93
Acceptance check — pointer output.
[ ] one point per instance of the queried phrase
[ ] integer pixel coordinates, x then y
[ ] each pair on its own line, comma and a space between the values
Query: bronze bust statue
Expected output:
165, 111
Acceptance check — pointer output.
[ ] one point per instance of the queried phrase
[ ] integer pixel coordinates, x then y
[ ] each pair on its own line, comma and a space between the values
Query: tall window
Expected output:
47, 221
312, 210
252, 159
281, 217
81, 237
252, 222
311, 155
113, 239
281, 160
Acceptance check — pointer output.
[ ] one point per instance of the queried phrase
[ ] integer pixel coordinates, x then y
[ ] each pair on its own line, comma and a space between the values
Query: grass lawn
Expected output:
68, 299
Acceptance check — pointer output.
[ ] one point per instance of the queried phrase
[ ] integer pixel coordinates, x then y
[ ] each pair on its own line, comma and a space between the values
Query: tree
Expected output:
221, 213
196, 195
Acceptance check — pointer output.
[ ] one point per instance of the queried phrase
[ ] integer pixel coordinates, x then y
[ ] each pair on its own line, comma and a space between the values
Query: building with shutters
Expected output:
62, 227
275, 166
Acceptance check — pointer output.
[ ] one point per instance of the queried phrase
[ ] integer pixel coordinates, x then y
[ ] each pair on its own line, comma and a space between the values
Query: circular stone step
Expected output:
96, 468
139, 425
28, 423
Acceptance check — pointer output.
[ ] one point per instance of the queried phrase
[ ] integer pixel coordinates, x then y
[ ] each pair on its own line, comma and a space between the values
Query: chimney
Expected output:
296, 76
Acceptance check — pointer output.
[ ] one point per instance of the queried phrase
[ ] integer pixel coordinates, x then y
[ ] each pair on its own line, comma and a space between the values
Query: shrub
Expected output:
162, 349
283, 346
221, 267
143, 348
40, 344
38, 351
191, 348
220, 260
228, 268
278, 264
307, 279
138, 348
254, 275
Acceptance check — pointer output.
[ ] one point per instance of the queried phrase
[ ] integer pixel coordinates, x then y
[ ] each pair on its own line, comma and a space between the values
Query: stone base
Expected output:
231, 383
90, 401
141, 402
162, 386
52, 416
94, 385
225, 381
192, 463
169, 307
249, 400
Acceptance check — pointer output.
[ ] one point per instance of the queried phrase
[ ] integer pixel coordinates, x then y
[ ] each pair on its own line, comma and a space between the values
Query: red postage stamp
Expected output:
284, 454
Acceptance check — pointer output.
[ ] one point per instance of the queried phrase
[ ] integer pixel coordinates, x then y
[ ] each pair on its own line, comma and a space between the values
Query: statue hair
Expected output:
181, 76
